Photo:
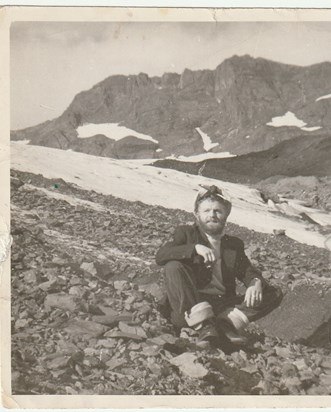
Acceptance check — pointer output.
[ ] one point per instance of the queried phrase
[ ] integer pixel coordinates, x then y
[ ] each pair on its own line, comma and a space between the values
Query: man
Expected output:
201, 267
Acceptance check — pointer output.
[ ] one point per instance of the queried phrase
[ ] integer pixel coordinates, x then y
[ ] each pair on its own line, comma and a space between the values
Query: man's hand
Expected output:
206, 253
253, 296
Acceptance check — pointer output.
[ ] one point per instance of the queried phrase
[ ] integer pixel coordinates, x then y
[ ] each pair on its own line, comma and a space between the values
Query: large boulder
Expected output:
304, 315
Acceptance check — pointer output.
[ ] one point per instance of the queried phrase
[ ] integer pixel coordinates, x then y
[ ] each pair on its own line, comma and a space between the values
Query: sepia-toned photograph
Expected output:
170, 206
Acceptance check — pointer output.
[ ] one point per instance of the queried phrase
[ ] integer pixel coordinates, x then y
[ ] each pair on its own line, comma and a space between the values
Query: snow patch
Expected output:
154, 186
158, 150
111, 130
204, 156
311, 129
207, 143
288, 119
327, 96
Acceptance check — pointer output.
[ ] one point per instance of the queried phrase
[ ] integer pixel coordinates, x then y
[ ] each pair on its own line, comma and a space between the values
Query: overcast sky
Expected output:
51, 61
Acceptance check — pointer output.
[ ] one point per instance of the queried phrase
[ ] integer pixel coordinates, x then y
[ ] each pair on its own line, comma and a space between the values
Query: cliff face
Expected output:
232, 104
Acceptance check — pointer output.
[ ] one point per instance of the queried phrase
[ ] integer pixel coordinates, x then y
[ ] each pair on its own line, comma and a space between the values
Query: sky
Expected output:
50, 62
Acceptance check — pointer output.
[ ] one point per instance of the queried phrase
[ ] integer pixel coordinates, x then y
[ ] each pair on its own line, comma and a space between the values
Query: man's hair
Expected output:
212, 193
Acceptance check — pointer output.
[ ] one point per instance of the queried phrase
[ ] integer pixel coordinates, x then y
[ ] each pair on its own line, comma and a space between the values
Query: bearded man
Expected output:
202, 264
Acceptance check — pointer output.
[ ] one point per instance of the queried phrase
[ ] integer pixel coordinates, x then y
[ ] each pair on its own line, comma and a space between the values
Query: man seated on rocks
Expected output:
202, 264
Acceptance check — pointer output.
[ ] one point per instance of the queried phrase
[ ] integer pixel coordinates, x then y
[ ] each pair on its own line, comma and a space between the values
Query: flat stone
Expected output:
289, 370
75, 280
62, 301
153, 289
59, 261
89, 267
155, 368
325, 380
293, 384
103, 270
134, 346
106, 320
30, 276
143, 309
151, 350
78, 291
84, 328
45, 286
265, 387
163, 339
251, 369
300, 364
119, 335
58, 363
21, 323
300, 316
106, 343
188, 365
134, 330
66, 347
326, 363
114, 363
121, 284
108, 310
283, 352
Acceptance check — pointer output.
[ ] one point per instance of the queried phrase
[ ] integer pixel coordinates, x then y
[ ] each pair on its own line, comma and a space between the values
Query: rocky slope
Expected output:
232, 104
84, 304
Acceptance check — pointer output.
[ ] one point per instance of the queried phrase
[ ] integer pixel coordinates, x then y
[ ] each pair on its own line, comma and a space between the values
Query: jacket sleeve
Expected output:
245, 271
177, 249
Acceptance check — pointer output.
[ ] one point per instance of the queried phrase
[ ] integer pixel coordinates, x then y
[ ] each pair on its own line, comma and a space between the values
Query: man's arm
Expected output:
177, 249
251, 277
245, 271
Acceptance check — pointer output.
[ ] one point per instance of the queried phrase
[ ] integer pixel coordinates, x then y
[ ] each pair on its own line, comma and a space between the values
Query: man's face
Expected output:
211, 216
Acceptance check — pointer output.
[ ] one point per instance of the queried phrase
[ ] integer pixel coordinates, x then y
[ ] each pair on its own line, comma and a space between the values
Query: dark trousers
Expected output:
182, 294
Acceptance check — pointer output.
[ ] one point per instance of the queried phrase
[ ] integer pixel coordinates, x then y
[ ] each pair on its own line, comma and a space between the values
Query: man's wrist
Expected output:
254, 281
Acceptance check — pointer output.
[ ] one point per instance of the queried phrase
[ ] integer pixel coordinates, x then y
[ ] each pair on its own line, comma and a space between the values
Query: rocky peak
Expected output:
237, 99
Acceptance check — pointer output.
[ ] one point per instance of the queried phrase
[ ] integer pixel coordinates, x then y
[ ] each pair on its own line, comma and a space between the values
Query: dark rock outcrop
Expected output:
301, 156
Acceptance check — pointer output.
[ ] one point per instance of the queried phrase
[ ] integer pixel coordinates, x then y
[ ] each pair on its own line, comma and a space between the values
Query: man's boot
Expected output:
230, 332
232, 323
202, 319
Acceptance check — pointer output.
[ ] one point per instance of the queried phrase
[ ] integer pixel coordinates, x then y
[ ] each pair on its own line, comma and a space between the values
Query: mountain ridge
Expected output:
232, 104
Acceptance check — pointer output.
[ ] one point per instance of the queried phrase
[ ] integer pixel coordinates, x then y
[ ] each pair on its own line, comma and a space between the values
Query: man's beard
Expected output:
213, 230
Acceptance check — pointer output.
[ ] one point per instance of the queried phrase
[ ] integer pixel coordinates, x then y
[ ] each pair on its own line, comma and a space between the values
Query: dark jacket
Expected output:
235, 264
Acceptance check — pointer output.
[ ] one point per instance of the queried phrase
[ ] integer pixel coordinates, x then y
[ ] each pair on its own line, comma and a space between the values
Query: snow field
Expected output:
164, 187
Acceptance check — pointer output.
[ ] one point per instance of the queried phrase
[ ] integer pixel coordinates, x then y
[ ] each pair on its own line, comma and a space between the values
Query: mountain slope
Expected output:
233, 104
300, 156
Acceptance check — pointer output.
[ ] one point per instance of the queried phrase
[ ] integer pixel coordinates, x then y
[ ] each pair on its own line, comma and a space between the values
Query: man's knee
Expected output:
174, 268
